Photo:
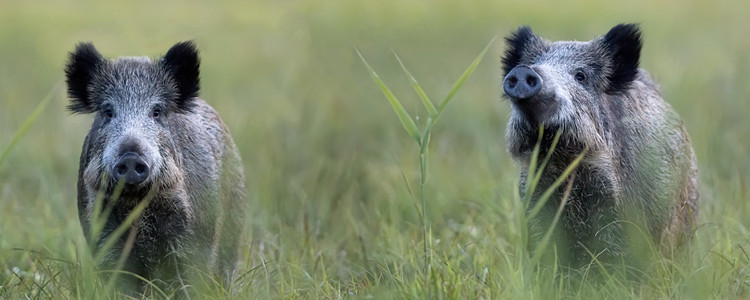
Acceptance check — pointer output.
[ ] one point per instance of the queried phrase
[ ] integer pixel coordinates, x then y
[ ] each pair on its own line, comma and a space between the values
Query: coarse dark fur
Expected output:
195, 183
638, 180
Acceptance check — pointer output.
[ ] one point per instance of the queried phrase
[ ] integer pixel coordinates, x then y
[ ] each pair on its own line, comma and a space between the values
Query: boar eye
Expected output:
108, 113
580, 77
157, 112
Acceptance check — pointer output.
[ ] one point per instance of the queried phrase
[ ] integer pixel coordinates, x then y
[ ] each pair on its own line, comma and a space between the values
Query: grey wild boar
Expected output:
638, 176
153, 139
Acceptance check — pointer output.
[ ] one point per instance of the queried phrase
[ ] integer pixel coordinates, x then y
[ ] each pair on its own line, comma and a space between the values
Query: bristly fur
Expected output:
79, 71
624, 44
516, 42
183, 64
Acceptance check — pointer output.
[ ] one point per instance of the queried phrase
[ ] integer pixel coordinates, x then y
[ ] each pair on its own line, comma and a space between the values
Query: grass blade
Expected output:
27, 124
460, 82
535, 173
406, 120
115, 235
551, 150
531, 173
548, 235
552, 188
422, 95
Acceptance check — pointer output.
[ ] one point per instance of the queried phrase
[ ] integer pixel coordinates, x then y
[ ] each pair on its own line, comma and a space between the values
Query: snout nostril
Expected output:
531, 81
121, 169
512, 81
140, 169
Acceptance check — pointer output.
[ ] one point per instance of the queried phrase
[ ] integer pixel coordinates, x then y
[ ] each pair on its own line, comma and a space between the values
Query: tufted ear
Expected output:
623, 44
183, 63
516, 43
82, 65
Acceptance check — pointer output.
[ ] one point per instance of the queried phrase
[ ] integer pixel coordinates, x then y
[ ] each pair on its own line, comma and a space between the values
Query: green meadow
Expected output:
334, 181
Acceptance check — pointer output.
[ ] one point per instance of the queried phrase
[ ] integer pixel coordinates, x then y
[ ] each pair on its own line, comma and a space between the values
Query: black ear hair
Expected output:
623, 43
79, 71
516, 42
183, 63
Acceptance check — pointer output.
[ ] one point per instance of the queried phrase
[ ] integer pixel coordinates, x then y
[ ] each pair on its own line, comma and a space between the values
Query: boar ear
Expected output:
516, 43
623, 43
183, 63
82, 64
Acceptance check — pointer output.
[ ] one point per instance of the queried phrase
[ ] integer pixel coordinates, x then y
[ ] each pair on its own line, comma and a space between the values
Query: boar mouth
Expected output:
536, 110
120, 190
527, 136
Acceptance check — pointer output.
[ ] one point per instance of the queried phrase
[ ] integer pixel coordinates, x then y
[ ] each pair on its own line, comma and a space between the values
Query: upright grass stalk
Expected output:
422, 137
101, 245
534, 175
29, 121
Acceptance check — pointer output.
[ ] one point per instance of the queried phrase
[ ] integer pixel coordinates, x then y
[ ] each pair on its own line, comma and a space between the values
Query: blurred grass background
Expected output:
324, 154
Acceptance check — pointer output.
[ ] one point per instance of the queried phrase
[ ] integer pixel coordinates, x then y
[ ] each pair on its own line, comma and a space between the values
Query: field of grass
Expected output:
333, 179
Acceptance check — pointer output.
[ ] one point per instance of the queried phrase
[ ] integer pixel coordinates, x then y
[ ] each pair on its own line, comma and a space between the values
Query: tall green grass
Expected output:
422, 137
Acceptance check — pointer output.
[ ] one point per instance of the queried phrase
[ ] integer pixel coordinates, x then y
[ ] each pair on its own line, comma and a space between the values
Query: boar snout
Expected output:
522, 83
131, 168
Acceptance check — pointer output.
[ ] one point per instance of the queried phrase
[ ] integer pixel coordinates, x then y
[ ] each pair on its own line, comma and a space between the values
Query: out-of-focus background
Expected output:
328, 166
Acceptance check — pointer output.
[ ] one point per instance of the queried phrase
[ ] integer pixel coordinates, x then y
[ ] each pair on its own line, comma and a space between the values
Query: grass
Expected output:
332, 216
423, 138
